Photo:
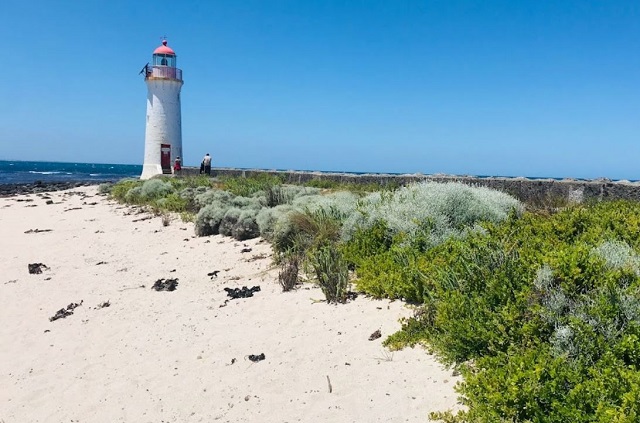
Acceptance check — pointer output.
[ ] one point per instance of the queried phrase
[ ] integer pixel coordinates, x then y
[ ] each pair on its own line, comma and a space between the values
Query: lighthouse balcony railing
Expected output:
164, 72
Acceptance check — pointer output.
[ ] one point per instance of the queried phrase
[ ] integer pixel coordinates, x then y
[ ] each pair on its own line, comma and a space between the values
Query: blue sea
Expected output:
19, 172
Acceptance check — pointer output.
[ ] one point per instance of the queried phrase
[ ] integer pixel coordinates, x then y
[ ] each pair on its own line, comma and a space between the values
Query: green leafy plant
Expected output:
331, 272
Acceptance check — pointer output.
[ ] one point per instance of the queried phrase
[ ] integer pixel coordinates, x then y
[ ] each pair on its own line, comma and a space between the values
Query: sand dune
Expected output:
182, 356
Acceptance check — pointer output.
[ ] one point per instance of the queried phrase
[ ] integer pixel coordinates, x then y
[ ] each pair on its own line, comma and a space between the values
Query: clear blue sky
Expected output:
531, 88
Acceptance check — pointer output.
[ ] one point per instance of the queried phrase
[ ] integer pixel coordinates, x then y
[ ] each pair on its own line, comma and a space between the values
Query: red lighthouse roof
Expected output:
163, 49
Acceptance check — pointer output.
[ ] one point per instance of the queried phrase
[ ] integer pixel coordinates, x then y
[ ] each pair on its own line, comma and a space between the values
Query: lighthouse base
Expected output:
150, 170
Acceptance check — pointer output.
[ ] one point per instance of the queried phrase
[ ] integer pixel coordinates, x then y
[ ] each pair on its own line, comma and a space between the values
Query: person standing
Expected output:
177, 165
206, 162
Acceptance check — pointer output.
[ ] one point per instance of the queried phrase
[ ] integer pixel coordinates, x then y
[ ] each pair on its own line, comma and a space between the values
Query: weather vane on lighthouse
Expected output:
163, 134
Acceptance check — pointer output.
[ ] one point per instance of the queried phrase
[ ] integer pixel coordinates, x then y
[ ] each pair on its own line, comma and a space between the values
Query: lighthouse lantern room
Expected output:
163, 134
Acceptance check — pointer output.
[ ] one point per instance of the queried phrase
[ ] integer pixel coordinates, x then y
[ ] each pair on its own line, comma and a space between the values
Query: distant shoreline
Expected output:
526, 189
10, 190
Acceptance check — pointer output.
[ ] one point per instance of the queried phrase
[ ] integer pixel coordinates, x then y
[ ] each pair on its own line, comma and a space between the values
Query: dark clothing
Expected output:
201, 168
207, 169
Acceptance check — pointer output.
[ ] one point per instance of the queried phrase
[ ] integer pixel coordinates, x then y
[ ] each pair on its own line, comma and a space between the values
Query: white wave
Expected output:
44, 173
94, 174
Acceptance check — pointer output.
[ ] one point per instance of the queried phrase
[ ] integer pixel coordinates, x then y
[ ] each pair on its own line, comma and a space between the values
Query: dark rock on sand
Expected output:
36, 268
243, 292
104, 304
64, 312
37, 231
256, 358
165, 285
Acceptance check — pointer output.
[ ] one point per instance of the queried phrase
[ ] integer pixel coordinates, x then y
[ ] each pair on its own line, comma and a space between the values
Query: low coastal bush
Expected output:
331, 272
246, 226
173, 202
540, 313
431, 211
119, 191
155, 188
246, 186
105, 188
355, 187
208, 220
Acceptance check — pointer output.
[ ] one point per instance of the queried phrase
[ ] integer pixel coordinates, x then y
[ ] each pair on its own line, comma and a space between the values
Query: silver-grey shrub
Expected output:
245, 203
208, 219
270, 220
105, 188
434, 210
212, 196
618, 255
246, 226
191, 193
343, 203
229, 220
155, 188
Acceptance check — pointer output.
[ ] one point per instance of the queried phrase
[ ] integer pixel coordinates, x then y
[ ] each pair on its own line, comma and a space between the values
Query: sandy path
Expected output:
167, 356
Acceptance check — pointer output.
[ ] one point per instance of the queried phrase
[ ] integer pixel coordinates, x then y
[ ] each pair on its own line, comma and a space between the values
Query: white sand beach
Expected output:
182, 356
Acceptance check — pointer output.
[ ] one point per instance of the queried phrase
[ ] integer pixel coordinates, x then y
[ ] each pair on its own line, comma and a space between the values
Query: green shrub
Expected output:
396, 273
356, 187
120, 189
533, 385
331, 272
172, 203
322, 184
134, 195
192, 182
541, 311
246, 186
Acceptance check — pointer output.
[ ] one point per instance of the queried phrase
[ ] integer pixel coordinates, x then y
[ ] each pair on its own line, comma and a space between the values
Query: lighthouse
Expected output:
163, 134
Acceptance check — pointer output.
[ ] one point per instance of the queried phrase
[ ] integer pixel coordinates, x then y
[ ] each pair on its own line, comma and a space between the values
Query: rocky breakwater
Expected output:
10, 190
533, 191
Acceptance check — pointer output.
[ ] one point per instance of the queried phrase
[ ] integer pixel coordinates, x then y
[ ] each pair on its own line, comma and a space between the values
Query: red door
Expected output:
165, 157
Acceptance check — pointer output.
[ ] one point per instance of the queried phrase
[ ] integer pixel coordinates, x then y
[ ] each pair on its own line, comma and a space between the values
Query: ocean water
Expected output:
19, 172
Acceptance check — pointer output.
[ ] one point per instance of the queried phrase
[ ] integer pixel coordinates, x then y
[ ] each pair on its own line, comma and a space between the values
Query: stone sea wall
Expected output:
532, 191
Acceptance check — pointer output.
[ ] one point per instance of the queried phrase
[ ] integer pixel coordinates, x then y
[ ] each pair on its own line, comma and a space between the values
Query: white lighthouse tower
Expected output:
163, 135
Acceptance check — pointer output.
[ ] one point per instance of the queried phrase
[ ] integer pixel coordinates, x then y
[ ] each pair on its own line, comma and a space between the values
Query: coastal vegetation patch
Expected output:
538, 309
